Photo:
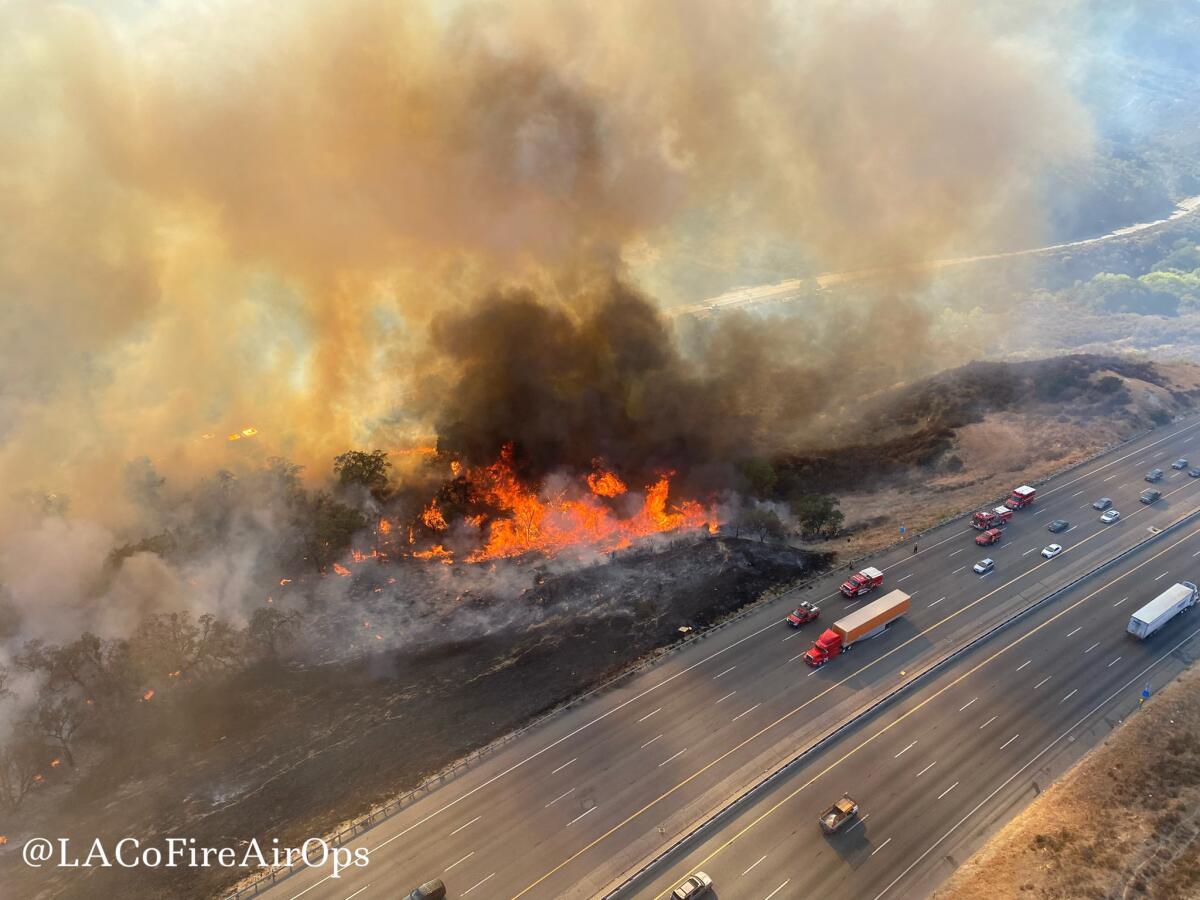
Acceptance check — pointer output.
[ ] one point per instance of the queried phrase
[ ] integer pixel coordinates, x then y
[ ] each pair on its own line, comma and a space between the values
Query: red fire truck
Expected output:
862, 582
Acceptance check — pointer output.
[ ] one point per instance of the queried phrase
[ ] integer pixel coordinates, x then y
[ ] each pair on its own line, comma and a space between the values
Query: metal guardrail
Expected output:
871, 708
379, 814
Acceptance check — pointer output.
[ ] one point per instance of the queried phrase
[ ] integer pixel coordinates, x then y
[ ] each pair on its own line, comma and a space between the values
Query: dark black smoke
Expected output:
567, 387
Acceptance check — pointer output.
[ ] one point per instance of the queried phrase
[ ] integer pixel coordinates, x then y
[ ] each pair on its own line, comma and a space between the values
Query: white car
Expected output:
695, 886
1052, 550
1109, 517
984, 566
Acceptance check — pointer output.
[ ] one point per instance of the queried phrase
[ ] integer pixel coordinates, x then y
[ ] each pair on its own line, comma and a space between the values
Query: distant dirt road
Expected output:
748, 296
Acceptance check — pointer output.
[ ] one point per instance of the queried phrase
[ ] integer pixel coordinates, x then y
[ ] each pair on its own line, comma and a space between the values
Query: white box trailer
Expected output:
1162, 609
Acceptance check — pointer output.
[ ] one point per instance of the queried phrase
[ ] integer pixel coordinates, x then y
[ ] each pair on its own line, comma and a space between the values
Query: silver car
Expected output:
1109, 517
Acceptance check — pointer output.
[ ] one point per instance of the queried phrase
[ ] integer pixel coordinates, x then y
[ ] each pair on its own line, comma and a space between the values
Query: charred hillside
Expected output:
915, 428
285, 749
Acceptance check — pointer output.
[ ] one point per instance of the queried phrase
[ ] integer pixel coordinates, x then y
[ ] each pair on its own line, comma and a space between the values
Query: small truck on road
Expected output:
839, 815
989, 537
1162, 609
865, 622
862, 582
1021, 497
803, 614
991, 518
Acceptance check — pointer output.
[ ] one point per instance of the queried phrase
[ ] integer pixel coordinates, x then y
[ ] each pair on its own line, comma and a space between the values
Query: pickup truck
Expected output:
803, 614
839, 815
989, 537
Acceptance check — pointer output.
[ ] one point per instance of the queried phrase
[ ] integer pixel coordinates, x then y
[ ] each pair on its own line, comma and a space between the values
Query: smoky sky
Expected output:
287, 216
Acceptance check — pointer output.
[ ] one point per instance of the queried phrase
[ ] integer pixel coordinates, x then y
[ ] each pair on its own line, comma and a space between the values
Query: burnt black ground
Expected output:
288, 752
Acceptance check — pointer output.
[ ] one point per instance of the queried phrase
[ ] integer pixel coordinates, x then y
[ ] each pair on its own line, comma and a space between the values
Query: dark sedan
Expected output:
1058, 525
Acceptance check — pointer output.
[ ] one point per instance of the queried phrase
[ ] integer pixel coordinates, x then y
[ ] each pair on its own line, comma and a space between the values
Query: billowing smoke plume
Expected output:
604, 379
345, 224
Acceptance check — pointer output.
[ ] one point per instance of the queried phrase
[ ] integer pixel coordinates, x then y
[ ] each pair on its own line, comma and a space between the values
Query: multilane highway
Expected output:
572, 804
935, 774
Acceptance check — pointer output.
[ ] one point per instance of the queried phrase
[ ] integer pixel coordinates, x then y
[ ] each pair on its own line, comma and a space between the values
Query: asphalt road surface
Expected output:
572, 804
937, 773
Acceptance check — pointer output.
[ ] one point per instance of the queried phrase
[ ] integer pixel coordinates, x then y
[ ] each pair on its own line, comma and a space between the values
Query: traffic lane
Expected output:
1050, 618
621, 792
1055, 753
571, 779
1101, 640
902, 559
667, 810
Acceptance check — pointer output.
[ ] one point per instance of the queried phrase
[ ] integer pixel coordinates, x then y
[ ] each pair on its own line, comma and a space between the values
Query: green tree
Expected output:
760, 476
818, 515
762, 522
331, 526
365, 469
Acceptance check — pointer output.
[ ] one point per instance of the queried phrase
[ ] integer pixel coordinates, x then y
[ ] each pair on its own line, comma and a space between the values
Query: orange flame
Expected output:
550, 525
385, 527
55, 763
432, 517
606, 484
437, 551
283, 581
455, 468
340, 569
148, 696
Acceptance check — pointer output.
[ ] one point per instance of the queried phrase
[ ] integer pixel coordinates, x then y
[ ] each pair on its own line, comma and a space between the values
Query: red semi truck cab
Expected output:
865, 622
1021, 497
989, 537
862, 582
